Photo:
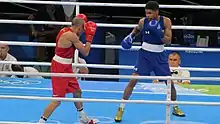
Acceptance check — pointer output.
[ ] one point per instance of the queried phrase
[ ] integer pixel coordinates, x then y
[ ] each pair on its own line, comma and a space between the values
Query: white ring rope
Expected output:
110, 4
110, 100
109, 76
10, 122
21, 43
105, 66
6, 21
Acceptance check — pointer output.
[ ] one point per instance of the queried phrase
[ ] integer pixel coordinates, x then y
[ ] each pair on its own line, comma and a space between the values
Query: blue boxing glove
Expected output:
155, 28
127, 41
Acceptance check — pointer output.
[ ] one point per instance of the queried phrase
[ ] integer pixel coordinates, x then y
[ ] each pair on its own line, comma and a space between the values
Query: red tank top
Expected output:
64, 52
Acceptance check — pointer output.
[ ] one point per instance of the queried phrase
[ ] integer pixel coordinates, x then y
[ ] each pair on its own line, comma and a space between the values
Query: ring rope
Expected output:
6, 21
102, 91
109, 76
105, 66
10, 122
21, 43
110, 100
110, 4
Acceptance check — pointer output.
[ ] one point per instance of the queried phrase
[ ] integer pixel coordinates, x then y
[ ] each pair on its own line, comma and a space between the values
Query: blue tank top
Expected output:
149, 37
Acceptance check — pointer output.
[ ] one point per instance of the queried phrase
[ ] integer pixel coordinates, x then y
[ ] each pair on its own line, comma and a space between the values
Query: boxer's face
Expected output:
174, 60
80, 30
151, 14
3, 51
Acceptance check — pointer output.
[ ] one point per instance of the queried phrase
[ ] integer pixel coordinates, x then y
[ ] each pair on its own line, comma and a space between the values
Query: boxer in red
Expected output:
66, 43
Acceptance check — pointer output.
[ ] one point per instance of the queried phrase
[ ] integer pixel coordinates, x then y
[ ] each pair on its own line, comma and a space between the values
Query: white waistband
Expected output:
152, 47
63, 60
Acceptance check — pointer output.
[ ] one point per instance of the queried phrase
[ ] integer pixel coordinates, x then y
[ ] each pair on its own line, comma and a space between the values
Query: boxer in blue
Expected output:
156, 31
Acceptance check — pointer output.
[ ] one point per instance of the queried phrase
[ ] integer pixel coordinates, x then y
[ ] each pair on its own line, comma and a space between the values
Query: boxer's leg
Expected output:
129, 88
78, 105
162, 69
58, 86
73, 87
143, 67
49, 110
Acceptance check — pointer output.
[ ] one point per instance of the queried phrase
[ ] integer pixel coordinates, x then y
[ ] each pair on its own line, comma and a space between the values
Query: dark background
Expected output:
115, 15
128, 15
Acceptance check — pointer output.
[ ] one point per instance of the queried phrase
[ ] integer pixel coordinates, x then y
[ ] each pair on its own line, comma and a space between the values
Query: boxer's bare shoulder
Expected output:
68, 39
72, 37
141, 23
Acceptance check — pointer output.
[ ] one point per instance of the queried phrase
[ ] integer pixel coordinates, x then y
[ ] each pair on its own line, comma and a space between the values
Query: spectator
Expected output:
46, 33
5, 56
20, 68
175, 61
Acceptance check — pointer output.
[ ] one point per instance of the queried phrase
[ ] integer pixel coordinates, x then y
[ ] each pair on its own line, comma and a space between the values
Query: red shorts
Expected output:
63, 85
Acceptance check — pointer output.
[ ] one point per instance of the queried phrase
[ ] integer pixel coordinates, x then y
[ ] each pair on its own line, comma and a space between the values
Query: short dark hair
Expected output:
77, 21
18, 68
153, 5
175, 53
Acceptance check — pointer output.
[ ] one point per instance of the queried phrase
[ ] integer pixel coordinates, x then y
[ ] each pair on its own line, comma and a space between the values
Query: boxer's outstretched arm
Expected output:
83, 49
168, 31
138, 28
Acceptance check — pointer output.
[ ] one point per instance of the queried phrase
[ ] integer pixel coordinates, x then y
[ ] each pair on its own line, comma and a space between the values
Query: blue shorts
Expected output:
152, 61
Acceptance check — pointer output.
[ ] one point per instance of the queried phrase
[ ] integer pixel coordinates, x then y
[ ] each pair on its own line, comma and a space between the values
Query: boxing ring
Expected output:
23, 100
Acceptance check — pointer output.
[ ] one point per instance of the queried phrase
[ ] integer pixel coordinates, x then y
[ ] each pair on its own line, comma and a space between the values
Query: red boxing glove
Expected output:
90, 29
83, 16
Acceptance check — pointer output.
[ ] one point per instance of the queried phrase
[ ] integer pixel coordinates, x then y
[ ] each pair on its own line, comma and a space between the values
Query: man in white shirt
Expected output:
19, 68
5, 56
175, 61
